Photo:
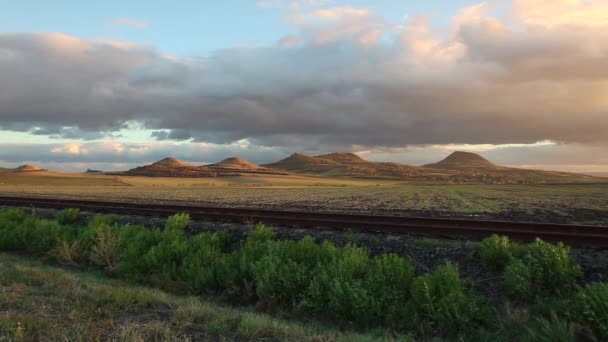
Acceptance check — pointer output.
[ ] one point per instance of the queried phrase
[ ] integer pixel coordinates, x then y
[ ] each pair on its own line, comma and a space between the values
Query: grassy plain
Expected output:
576, 202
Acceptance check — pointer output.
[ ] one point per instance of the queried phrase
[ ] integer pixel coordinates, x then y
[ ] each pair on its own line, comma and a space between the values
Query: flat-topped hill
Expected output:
460, 159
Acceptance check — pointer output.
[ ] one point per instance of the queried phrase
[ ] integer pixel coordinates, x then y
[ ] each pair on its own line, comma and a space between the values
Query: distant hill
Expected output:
239, 165
597, 174
463, 160
170, 167
29, 168
458, 167
471, 167
351, 165
24, 168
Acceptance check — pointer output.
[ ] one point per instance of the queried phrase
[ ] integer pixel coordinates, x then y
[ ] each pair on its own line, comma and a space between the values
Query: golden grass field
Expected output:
577, 202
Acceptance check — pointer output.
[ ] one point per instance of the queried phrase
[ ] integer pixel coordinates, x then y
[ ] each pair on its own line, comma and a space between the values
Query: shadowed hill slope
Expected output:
239, 165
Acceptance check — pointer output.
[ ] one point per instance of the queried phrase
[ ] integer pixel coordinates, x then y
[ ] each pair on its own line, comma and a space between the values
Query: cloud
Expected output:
72, 156
134, 23
347, 77
293, 4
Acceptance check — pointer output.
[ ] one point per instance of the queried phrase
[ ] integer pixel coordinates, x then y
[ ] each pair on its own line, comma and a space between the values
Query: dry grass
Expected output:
43, 303
310, 193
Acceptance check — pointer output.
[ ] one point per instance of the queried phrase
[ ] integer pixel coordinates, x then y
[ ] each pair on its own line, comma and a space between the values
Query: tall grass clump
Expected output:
591, 308
496, 251
544, 268
68, 216
441, 298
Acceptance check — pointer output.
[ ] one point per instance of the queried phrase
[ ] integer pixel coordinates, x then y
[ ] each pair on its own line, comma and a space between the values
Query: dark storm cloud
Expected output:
348, 78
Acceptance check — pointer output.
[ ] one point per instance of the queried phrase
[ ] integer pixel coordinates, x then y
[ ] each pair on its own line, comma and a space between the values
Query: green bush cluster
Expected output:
591, 308
344, 284
442, 297
496, 251
538, 268
68, 216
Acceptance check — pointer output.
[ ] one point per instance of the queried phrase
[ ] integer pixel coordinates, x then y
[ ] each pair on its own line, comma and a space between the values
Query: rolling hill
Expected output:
237, 165
463, 160
458, 167
170, 167
351, 165
24, 168
471, 167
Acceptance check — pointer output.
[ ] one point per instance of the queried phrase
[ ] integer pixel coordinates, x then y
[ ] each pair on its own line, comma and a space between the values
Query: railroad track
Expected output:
578, 235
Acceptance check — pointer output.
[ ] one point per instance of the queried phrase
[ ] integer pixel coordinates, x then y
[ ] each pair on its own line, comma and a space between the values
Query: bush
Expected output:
135, 242
70, 253
283, 273
591, 308
441, 298
68, 216
544, 269
39, 236
200, 264
337, 286
553, 329
178, 222
106, 251
388, 281
496, 251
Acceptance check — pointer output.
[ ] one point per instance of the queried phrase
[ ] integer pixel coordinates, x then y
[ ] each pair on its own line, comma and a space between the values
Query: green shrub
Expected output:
283, 273
12, 222
11, 216
442, 298
388, 281
553, 329
135, 242
245, 258
544, 269
337, 286
178, 222
40, 236
518, 280
591, 308
202, 259
496, 251
68, 216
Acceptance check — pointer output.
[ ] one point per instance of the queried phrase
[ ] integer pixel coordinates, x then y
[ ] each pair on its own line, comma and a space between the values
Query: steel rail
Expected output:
578, 235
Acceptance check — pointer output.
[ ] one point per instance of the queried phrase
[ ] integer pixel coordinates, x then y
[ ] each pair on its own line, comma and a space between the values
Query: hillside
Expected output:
239, 165
471, 167
351, 165
23, 168
170, 167
463, 160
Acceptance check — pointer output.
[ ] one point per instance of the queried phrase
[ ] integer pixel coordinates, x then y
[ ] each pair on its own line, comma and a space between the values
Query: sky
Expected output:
113, 84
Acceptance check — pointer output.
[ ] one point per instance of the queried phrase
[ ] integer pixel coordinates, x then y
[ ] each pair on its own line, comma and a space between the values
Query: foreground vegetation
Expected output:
38, 302
305, 279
